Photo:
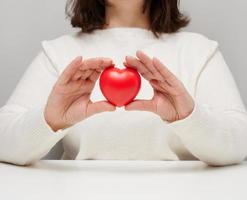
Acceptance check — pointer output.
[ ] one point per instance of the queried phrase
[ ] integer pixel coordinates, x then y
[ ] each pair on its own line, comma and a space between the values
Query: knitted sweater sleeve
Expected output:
216, 131
25, 137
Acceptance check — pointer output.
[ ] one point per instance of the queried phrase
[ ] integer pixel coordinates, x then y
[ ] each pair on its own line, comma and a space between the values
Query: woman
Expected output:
189, 106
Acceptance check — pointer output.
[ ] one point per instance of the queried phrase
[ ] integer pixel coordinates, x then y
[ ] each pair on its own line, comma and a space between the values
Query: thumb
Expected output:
142, 105
100, 106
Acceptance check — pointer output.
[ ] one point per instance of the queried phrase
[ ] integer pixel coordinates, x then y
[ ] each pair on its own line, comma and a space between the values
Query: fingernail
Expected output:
138, 52
130, 56
79, 58
112, 65
108, 59
155, 59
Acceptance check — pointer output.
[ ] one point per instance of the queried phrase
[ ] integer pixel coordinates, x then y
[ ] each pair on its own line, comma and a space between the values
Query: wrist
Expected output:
55, 125
186, 113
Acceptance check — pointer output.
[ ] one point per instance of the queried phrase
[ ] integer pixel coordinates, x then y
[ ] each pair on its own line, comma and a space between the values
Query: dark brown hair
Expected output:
164, 15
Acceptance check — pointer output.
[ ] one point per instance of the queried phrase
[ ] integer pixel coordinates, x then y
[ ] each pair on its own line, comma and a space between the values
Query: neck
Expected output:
126, 14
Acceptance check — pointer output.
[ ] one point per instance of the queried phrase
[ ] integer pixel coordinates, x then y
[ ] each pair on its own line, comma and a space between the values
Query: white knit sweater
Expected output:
215, 132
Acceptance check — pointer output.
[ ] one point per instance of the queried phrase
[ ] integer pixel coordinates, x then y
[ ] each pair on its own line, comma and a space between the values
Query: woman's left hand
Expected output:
171, 100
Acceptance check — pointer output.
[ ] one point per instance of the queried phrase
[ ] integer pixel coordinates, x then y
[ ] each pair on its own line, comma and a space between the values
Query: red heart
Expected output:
120, 86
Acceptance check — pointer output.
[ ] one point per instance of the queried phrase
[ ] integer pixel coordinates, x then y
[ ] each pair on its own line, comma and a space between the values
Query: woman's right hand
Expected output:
69, 101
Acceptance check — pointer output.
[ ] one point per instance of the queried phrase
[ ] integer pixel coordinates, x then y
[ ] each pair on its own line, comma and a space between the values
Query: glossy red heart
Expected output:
120, 86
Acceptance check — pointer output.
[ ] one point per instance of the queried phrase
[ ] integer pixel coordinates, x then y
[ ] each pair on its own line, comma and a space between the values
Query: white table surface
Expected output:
84, 180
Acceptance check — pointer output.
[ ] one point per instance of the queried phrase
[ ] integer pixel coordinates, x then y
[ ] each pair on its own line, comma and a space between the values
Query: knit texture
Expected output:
215, 132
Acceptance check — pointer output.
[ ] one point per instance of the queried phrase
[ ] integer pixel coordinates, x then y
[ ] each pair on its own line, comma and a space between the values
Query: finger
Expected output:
167, 89
156, 86
87, 85
143, 105
82, 74
87, 74
94, 76
135, 63
77, 75
161, 85
170, 78
148, 62
99, 107
96, 63
91, 81
70, 71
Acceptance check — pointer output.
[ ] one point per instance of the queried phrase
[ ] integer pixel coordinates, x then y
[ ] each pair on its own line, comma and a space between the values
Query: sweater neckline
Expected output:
122, 32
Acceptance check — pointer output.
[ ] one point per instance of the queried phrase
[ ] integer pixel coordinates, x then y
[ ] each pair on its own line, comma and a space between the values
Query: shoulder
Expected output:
191, 40
194, 48
196, 40
192, 36
61, 50
66, 39
62, 42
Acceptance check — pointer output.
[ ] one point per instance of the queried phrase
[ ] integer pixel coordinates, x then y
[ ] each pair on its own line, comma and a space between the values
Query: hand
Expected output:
69, 101
171, 101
